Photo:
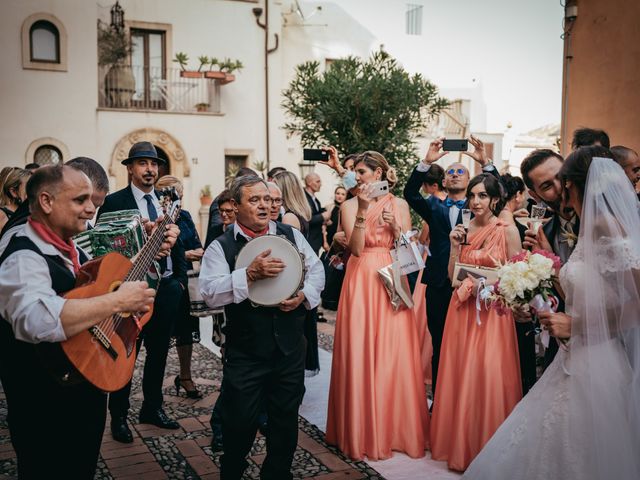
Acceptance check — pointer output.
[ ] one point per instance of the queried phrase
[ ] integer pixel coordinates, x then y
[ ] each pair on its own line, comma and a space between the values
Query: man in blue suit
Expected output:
441, 216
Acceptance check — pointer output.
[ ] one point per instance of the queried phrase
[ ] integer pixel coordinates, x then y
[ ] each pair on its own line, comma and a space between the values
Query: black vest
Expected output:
260, 331
43, 362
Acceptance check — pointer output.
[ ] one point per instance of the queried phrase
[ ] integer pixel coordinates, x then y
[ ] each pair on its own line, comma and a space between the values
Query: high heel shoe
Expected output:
179, 382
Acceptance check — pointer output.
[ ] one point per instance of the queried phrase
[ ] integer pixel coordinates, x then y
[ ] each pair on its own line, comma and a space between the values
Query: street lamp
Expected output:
117, 17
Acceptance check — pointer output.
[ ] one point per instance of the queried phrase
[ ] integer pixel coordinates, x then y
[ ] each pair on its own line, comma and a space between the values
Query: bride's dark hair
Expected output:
494, 189
576, 166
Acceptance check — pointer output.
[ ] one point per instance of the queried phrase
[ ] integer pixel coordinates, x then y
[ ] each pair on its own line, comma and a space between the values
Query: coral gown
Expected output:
377, 400
479, 377
424, 337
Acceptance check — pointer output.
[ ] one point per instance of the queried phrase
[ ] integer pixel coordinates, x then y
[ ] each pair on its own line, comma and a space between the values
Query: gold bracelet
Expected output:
360, 219
359, 226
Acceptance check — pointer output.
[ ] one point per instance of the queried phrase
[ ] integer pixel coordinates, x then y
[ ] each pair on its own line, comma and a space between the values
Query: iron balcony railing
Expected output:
150, 88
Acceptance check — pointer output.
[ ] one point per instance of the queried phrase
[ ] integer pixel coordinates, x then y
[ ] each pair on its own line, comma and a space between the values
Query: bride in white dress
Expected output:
581, 421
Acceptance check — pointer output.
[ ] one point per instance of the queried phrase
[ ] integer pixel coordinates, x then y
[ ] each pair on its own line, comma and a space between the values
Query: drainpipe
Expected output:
570, 15
257, 12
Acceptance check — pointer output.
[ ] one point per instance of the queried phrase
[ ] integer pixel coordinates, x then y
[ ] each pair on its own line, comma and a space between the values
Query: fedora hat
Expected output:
143, 150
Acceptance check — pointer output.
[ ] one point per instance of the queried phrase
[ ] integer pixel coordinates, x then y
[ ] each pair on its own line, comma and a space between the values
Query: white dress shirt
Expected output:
27, 298
144, 210
219, 286
454, 211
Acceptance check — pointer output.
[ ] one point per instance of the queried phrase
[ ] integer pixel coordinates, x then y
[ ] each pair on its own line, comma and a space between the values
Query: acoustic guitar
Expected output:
105, 354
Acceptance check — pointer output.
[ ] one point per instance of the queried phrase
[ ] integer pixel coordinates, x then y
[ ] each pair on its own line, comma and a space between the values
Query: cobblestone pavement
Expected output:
186, 453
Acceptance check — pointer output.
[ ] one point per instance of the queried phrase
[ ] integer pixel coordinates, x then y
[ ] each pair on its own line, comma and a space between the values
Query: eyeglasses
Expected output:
225, 211
276, 201
459, 171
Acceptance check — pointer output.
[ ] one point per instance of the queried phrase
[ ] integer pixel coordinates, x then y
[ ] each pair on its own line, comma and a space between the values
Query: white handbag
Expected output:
407, 255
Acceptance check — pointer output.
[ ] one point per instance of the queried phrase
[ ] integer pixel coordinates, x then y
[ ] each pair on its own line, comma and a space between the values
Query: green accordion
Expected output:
121, 232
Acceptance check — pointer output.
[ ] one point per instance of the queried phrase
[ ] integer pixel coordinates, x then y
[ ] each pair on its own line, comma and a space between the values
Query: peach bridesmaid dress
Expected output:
424, 337
377, 401
479, 365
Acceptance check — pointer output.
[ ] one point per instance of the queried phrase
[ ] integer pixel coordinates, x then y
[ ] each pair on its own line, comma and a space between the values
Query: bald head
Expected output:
313, 183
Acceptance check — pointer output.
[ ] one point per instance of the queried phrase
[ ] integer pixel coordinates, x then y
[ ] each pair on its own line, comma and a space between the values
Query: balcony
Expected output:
156, 90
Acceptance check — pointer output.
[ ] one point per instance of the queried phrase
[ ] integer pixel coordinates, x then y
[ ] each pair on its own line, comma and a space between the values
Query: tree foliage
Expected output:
359, 105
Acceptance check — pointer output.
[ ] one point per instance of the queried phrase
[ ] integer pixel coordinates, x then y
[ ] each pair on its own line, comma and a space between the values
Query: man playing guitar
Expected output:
56, 429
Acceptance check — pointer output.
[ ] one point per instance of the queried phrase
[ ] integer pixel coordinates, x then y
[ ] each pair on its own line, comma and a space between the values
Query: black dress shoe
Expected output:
158, 418
216, 443
120, 431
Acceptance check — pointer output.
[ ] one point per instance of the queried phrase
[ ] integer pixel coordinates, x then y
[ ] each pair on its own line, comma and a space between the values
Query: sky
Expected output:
512, 48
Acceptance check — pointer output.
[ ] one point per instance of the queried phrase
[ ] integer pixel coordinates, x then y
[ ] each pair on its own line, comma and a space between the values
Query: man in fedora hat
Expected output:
142, 166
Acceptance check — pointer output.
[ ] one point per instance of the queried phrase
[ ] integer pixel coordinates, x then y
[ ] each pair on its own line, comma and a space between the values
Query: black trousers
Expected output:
438, 299
527, 353
156, 336
55, 430
249, 383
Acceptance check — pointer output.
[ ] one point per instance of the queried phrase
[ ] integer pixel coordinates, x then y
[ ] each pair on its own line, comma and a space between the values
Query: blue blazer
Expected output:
436, 214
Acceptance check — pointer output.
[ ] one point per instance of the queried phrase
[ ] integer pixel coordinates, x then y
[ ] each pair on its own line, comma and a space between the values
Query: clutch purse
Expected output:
397, 286
461, 270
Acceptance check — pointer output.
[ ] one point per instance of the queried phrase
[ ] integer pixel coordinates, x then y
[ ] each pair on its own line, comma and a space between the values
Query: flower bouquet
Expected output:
525, 283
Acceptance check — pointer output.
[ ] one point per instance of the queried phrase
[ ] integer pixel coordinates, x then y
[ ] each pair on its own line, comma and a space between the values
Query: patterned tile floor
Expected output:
185, 453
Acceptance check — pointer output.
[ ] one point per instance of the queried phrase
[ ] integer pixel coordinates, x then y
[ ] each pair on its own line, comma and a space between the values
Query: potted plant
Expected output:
205, 196
202, 107
182, 59
214, 74
228, 67
114, 49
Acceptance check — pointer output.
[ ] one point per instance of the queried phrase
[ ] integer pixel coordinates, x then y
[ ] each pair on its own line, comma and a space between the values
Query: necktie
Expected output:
459, 203
151, 209
153, 216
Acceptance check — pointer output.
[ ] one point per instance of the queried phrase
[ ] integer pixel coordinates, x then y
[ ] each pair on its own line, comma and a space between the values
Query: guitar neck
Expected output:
148, 253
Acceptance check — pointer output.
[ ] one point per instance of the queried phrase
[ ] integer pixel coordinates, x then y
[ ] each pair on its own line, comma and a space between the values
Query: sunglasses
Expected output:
459, 171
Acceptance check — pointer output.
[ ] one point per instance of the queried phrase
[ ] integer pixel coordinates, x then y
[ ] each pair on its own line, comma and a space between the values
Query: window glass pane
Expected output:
47, 155
44, 42
155, 63
137, 64
414, 19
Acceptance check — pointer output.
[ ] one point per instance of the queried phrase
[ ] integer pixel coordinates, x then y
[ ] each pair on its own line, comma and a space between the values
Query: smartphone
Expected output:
455, 145
315, 154
379, 189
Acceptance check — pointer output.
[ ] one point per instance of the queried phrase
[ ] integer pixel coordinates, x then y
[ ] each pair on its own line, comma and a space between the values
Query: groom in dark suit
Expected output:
560, 234
140, 194
441, 216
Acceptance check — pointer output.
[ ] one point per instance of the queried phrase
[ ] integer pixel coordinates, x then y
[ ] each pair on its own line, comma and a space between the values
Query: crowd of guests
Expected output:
479, 362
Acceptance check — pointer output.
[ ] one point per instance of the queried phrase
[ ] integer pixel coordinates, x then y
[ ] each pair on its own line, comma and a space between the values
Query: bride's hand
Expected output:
558, 324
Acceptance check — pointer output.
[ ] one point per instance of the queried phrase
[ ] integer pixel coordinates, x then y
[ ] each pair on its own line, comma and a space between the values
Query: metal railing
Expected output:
150, 88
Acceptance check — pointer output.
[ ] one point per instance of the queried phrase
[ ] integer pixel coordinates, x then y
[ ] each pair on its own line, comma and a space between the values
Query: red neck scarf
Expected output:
68, 249
250, 233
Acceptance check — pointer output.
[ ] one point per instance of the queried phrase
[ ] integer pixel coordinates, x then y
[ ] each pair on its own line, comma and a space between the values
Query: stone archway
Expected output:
179, 166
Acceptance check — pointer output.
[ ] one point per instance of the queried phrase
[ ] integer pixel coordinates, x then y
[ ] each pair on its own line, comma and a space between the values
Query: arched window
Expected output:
44, 43
47, 155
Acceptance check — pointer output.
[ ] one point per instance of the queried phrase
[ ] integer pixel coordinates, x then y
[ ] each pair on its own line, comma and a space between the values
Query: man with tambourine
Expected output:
266, 276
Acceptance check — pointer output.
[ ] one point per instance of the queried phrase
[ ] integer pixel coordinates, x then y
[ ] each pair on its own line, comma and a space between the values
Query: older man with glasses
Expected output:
277, 210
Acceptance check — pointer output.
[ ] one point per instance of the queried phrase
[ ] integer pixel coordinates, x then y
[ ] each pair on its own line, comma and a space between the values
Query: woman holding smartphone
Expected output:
377, 401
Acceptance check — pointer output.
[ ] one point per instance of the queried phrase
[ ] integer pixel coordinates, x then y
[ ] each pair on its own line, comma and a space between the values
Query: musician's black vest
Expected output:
44, 362
260, 330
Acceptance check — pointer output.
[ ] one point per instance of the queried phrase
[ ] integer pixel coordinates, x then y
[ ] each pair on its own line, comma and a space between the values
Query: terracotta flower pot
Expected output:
215, 75
228, 78
190, 74
205, 200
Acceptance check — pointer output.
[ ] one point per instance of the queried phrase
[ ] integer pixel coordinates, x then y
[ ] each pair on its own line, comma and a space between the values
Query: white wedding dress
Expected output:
580, 420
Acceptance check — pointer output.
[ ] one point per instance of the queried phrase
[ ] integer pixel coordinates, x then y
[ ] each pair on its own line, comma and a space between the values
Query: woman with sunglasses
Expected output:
479, 378
377, 402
